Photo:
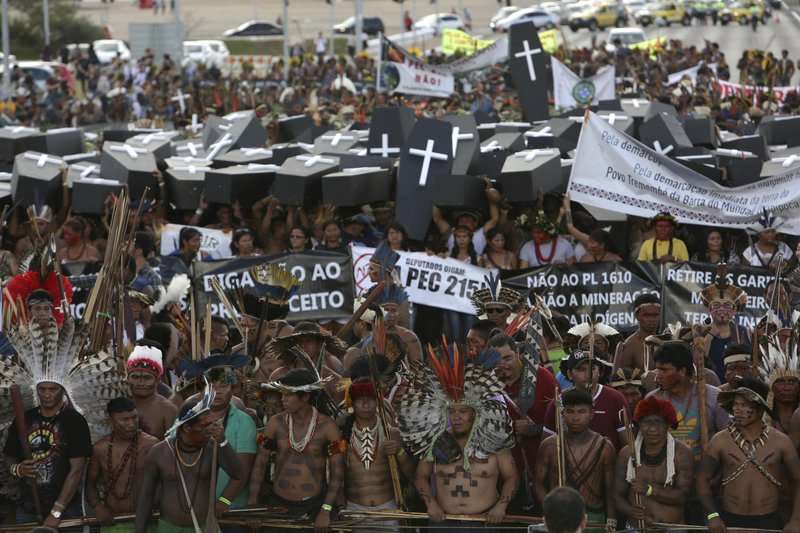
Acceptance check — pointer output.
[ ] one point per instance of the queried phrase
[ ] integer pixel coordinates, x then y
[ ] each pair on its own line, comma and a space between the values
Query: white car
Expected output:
439, 22
539, 17
626, 37
502, 13
108, 49
207, 52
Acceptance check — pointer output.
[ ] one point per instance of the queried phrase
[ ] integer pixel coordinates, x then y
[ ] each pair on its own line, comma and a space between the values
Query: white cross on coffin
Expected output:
334, 139
225, 140
23, 129
660, 150
192, 169
260, 168
544, 132
458, 136
181, 99
160, 136
196, 124
311, 160
427, 154
530, 155
251, 152
692, 157
87, 171
385, 149
42, 159
491, 146
635, 102
613, 117
576, 119
225, 127
73, 157
132, 151
734, 153
528, 54
363, 169
190, 147
786, 162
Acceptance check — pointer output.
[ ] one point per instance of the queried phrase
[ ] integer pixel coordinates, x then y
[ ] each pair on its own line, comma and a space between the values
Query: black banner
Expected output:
684, 281
605, 291
325, 293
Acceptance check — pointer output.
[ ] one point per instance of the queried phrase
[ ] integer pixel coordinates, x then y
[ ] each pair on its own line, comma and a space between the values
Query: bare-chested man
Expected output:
117, 467
305, 441
467, 492
661, 475
751, 456
590, 459
183, 467
145, 368
368, 481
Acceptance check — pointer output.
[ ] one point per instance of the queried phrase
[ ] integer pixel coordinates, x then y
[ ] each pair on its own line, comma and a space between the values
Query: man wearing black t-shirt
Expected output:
60, 443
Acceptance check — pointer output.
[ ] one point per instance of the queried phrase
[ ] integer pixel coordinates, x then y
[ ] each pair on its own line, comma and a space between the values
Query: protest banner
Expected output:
549, 40
454, 41
614, 171
216, 244
414, 78
605, 291
683, 282
326, 283
569, 90
428, 279
726, 89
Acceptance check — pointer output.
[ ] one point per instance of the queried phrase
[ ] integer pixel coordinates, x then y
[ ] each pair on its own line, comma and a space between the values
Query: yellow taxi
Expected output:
741, 11
665, 12
600, 16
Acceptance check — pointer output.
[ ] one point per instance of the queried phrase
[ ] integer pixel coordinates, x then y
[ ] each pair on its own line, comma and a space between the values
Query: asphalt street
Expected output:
209, 18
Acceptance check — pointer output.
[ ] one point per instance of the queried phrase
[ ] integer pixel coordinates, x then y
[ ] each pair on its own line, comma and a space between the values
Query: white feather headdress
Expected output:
47, 354
177, 289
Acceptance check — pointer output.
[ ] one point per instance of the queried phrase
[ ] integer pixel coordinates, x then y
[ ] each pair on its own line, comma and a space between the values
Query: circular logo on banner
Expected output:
583, 92
361, 274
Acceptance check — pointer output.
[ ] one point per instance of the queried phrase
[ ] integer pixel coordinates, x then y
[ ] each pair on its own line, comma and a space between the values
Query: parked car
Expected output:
209, 53
254, 28
625, 36
502, 13
439, 22
598, 17
540, 19
108, 49
369, 25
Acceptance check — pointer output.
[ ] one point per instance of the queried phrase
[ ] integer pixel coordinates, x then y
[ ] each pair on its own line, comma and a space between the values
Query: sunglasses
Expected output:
495, 310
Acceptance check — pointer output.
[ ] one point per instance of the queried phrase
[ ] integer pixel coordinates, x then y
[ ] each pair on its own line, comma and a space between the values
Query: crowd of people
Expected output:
223, 424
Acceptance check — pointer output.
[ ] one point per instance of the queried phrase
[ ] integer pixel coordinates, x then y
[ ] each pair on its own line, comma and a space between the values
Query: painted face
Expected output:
539, 236
653, 430
196, 434
41, 313
667, 376
461, 418
143, 384
475, 343
125, 424
577, 417
664, 230
722, 311
745, 412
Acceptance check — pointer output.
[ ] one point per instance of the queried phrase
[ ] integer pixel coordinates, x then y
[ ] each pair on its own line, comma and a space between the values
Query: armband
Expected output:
226, 501
336, 447
326, 507
712, 516
649, 490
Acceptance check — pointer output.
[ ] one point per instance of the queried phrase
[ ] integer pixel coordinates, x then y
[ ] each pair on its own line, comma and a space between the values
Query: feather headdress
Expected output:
767, 221
778, 362
178, 286
450, 379
47, 354
200, 408
722, 290
384, 259
494, 293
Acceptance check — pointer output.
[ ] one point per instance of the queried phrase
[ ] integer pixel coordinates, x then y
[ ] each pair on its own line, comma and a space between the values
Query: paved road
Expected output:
208, 18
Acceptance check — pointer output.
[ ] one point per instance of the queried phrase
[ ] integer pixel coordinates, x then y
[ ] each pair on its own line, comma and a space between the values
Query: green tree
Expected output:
26, 27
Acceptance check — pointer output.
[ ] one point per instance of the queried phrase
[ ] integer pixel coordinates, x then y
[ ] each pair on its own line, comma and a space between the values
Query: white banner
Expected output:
675, 77
428, 279
614, 171
571, 91
491, 55
726, 89
216, 243
416, 79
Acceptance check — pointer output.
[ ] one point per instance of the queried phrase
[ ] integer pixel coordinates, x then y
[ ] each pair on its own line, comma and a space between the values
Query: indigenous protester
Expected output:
654, 473
461, 432
182, 471
546, 247
767, 249
738, 361
629, 383
496, 302
145, 368
664, 246
116, 469
633, 355
590, 458
300, 484
751, 456
529, 388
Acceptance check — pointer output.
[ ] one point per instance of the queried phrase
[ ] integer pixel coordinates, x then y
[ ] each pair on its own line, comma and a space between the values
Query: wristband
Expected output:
712, 516
326, 507
223, 443
14, 470
649, 490
198, 211
224, 500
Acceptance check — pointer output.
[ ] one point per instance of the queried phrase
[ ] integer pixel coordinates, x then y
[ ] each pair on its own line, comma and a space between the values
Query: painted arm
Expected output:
708, 468
144, 500
676, 493
336, 478
261, 465
621, 485
510, 478
422, 482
